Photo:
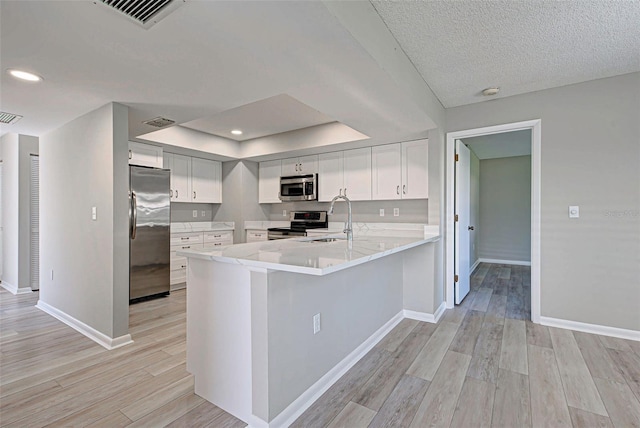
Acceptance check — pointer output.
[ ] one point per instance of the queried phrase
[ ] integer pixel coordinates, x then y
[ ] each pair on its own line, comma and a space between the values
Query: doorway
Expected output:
534, 126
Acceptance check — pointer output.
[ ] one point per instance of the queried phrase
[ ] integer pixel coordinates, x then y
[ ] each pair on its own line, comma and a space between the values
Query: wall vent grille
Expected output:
159, 122
9, 118
144, 12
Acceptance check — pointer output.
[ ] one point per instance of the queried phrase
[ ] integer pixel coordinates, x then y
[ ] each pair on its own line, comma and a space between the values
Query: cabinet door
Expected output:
206, 177
330, 178
181, 178
386, 170
415, 176
357, 174
308, 164
145, 155
269, 182
290, 166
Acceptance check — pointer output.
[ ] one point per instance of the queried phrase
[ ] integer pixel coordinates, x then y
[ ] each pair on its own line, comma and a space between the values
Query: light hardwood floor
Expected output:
483, 364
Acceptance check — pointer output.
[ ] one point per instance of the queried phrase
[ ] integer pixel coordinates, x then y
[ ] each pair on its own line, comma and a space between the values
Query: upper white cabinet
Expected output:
269, 182
206, 181
194, 179
345, 173
145, 155
399, 171
300, 165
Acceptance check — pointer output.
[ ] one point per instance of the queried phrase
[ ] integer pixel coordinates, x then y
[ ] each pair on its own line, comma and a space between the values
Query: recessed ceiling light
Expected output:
24, 75
236, 132
490, 91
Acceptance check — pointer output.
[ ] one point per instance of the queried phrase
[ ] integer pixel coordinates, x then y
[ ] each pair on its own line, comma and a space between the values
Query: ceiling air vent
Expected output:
145, 12
9, 118
159, 122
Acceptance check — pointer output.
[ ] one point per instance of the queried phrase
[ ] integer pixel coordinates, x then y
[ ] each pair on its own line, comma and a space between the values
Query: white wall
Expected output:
84, 164
504, 229
590, 157
16, 151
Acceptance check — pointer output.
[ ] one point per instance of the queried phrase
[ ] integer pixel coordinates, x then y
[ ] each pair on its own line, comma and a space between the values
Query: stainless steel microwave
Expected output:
299, 188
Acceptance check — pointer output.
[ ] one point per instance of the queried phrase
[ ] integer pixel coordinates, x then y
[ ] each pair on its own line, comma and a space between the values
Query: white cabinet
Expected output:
300, 165
269, 182
206, 181
192, 240
400, 171
347, 173
145, 155
194, 179
257, 235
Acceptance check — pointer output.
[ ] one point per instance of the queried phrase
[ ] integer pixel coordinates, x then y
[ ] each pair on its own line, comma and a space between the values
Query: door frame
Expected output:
535, 126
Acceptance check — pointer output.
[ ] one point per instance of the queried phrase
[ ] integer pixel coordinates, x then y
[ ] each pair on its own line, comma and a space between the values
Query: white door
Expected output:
462, 208
386, 172
269, 182
1, 241
206, 177
357, 174
181, 178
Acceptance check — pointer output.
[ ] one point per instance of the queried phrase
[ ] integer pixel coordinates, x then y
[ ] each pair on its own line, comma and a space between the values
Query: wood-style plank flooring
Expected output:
483, 364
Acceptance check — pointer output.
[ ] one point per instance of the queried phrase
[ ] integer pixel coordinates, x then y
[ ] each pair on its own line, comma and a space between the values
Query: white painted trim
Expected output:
602, 330
474, 266
423, 316
505, 262
15, 290
307, 398
536, 133
93, 334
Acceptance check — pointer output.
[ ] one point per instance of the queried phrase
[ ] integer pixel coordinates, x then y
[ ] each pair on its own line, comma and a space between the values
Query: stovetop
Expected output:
303, 220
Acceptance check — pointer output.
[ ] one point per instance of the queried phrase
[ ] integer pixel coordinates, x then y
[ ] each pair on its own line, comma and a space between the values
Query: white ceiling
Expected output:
503, 145
202, 63
273, 115
462, 47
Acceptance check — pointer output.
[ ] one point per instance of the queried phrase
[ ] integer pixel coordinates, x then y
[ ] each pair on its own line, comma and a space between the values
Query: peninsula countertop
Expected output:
313, 256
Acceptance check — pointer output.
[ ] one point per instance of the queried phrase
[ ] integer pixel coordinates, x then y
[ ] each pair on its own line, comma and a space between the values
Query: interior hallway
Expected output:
482, 364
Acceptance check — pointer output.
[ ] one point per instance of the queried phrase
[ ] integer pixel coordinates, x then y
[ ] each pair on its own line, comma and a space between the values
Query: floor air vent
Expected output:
9, 118
159, 122
145, 12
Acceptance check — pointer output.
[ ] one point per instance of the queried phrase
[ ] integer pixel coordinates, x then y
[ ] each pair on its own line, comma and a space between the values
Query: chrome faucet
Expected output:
348, 227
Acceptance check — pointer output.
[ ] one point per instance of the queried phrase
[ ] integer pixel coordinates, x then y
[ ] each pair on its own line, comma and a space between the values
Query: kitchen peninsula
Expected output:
271, 325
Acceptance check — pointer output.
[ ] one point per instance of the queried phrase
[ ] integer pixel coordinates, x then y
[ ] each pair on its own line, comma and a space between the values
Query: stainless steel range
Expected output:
300, 222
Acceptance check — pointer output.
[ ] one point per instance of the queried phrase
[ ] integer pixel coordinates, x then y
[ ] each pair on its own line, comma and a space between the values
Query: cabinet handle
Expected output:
187, 247
404, 189
183, 266
130, 154
340, 192
217, 243
217, 236
176, 193
171, 193
398, 190
345, 191
300, 167
194, 194
187, 238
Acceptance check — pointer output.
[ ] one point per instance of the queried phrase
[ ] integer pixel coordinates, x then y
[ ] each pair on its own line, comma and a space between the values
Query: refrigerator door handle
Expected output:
134, 214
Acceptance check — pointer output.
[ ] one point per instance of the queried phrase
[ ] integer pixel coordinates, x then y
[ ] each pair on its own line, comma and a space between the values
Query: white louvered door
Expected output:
35, 222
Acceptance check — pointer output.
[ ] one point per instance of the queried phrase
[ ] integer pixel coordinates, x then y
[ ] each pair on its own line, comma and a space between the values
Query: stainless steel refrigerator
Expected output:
149, 232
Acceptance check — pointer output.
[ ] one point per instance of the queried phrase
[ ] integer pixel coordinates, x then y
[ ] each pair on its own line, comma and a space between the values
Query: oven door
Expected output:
273, 234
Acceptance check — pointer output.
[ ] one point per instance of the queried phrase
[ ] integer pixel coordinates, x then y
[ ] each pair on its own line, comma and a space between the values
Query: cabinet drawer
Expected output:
214, 236
213, 245
187, 238
257, 235
178, 276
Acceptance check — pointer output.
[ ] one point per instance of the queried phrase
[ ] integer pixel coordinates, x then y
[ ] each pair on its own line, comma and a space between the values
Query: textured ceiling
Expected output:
462, 47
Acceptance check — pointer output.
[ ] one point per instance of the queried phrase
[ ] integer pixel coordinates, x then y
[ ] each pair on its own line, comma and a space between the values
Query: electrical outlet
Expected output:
396, 212
381, 212
203, 213
195, 213
284, 213
316, 323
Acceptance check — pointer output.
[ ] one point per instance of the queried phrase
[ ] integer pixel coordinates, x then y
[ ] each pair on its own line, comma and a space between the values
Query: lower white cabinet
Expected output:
257, 235
193, 240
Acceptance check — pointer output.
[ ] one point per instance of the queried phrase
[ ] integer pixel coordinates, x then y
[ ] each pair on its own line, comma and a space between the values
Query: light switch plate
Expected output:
574, 211
396, 212
381, 212
284, 213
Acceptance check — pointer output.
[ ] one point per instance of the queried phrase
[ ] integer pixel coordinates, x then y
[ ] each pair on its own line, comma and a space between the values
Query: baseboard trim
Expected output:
304, 401
15, 290
93, 334
505, 262
591, 328
423, 316
474, 266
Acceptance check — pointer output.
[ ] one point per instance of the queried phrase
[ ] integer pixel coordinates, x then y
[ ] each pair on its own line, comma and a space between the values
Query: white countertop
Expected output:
201, 226
302, 255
